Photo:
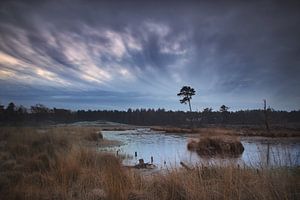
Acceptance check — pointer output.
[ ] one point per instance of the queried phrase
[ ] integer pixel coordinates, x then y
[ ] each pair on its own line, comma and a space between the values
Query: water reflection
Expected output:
169, 150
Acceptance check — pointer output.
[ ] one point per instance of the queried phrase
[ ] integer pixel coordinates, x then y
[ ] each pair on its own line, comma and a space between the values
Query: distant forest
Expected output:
40, 114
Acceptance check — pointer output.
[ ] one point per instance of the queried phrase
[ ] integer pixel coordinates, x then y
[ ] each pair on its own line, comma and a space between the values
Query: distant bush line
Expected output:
14, 115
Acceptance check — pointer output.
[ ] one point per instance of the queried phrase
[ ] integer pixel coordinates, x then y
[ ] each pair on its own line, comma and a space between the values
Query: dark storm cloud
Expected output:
232, 52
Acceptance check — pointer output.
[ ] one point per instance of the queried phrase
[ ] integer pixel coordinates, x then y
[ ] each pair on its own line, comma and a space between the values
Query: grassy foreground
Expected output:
59, 163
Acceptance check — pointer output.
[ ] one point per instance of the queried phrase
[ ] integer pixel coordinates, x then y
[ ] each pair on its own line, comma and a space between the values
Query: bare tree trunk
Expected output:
266, 115
191, 116
190, 106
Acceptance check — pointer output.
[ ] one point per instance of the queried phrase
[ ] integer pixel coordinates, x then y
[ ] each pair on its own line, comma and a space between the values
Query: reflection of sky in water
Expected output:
280, 153
173, 148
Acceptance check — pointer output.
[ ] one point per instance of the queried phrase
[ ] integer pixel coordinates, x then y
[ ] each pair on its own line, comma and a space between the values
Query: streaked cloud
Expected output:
229, 55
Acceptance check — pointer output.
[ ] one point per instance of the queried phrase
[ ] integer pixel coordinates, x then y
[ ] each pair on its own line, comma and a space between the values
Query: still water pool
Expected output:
168, 150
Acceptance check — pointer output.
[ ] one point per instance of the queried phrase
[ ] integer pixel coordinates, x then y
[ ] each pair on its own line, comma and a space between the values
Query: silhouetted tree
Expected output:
10, 112
186, 92
224, 108
11, 107
40, 112
207, 110
62, 115
207, 115
224, 112
21, 113
39, 108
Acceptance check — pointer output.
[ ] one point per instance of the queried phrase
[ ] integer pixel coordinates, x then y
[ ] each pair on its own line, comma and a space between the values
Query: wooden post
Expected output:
185, 166
135, 154
141, 161
142, 164
151, 159
268, 154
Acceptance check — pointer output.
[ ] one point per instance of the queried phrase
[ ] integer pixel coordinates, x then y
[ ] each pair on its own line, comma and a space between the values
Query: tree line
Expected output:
17, 115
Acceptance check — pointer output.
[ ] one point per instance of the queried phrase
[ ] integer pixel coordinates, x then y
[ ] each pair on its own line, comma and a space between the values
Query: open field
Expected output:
61, 163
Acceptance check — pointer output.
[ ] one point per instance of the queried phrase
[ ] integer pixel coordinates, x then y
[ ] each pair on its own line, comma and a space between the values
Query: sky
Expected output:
88, 54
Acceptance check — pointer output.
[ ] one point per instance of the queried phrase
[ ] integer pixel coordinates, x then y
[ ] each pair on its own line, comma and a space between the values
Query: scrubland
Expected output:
62, 163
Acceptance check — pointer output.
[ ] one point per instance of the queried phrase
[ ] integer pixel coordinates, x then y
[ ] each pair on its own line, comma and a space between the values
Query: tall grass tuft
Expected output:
54, 164
216, 146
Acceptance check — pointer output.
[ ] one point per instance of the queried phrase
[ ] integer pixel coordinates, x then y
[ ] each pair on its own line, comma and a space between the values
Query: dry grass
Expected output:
278, 132
202, 131
227, 182
217, 146
173, 129
244, 131
55, 164
120, 128
94, 136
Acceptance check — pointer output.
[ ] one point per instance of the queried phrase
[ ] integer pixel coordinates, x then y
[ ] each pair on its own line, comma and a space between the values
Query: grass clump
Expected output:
216, 146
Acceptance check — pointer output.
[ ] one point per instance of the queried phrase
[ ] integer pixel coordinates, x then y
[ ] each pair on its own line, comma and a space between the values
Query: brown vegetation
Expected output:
201, 131
233, 131
94, 136
227, 182
173, 130
55, 163
118, 128
216, 146
275, 132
